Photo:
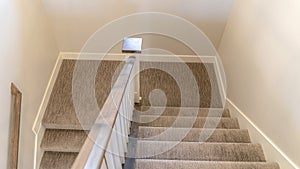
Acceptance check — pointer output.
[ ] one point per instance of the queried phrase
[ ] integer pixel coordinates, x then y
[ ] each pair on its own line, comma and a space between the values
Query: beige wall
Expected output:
261, 55
74, 21
28, 54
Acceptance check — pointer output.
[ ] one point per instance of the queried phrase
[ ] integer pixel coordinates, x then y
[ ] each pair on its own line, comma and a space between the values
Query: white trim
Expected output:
93, 56
142, 57
271, 150
121, 54
37, 127
176, 58
136, 76
220, 81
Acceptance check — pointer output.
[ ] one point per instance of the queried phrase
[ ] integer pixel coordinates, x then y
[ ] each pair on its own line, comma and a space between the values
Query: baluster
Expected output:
120, 136
104, 164
115, 150
127, 109
123, 123
109, 157
124, 145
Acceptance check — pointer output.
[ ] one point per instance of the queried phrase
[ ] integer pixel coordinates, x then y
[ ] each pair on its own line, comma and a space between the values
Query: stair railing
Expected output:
106, 144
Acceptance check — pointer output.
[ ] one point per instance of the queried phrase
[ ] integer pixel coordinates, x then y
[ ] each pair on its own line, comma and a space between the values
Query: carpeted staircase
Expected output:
225, 147
212, 139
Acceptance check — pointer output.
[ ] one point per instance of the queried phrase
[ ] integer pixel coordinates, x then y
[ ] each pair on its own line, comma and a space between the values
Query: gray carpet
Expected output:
57, 160
169, 77
180, 121
194, 134
61, 112
200, 151
63, 140
184, 111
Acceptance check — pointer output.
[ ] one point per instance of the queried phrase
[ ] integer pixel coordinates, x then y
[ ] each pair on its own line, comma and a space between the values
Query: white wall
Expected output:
261, 55
28, 54
74, 21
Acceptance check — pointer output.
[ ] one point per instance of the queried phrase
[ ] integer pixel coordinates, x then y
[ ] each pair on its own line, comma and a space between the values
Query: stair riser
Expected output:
169, 121
53, 160
194, 135
63, 140
184, 112
198, 151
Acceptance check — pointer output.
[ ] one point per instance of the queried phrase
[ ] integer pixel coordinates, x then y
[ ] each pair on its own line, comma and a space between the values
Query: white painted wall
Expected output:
28, 54
74, 21
261, 55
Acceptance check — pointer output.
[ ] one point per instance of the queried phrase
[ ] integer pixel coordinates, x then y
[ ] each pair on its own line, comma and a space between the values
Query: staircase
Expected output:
226, 147
206, 138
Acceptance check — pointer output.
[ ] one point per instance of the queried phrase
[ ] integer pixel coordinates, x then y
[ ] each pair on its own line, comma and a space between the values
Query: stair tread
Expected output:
57, 160
193, 134
184, 111
179, 164
63, 140
200, 151
184, 122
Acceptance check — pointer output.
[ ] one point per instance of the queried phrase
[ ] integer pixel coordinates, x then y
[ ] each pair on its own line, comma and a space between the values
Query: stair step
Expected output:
184, 111
187, 122
63, 140
193, 134
172, 164
57, 160
200, 151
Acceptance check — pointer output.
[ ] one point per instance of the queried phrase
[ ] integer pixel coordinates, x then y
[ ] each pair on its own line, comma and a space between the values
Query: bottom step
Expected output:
57, 160
172, 164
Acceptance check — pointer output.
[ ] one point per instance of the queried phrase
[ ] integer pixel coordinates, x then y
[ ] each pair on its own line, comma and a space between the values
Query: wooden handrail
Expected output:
93, 150
15, 124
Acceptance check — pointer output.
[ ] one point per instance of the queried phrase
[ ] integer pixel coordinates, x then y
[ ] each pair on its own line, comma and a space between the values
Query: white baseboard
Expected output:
220, 80
142, 57
271, 150
37, 127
